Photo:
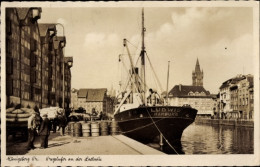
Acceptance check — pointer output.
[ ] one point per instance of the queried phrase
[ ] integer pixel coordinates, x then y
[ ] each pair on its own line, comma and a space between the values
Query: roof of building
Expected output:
68, 59
22, 12
250, 79
233, 80
197, 67
44, 28
214, 96
92, 95
234, 87
184, 90
57, 41
60, 38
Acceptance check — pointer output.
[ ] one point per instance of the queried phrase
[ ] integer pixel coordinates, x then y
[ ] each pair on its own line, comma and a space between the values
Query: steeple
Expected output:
197, 67
197, 75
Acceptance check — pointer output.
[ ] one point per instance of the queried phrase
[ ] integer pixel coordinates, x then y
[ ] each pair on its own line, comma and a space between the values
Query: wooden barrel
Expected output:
71, 128
77, 129
10, 110
114, 128
94, 129
17, 111
104, 128
82, 122
86, 129
24, 115
67, 132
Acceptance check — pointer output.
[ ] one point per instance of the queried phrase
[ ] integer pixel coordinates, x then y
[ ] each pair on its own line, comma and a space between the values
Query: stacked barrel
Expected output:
86, 129
114, 128
93, 128
104, 128
70, 128
77, 129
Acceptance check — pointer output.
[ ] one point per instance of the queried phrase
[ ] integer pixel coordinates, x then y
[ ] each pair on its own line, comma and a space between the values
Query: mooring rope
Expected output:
161, 132
153, 122
140, 127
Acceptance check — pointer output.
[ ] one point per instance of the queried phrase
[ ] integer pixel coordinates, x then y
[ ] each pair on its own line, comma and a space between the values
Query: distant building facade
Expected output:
197, 75
93, 98
32, 73
251, 102
195, 96
246, 97
236, 97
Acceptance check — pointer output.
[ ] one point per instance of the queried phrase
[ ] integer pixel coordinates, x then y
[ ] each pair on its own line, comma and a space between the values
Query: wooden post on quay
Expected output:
161, 141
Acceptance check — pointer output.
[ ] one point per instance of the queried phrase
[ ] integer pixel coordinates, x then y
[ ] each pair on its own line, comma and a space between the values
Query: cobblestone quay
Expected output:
67, 145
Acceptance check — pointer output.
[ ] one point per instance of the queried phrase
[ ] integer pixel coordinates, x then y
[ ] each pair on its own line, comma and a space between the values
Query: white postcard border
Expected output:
151, 160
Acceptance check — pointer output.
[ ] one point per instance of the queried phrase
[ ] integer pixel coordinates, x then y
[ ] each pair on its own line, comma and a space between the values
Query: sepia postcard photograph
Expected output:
130, 83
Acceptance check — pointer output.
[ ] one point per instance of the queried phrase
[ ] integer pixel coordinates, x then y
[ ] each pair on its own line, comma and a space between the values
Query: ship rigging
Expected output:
144, 120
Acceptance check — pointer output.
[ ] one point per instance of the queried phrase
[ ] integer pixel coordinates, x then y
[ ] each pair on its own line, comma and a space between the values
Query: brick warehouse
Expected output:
34, 61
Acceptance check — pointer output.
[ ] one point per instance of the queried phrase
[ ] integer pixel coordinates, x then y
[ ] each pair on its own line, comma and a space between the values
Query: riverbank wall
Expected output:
226, 122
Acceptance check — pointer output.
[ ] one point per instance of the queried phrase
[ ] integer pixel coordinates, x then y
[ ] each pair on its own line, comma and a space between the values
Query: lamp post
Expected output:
69, 62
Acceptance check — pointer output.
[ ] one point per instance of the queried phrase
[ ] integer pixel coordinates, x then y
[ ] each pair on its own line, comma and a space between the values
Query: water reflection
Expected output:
207, 139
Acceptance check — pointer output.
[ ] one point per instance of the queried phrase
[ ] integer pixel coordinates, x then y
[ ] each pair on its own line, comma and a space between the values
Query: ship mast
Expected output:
143, 59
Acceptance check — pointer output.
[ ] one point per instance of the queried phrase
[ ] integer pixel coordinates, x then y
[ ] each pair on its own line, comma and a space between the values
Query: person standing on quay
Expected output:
44, 131
55, 123
31, 131
63, 123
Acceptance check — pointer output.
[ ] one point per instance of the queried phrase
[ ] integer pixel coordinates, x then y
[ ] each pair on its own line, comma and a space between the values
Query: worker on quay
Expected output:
31, 131
44, 131
55, 123
101, 115
93, 114
37, 118
63, 123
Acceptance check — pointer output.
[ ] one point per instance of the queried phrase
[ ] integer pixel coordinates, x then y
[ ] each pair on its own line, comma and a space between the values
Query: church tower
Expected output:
197, 75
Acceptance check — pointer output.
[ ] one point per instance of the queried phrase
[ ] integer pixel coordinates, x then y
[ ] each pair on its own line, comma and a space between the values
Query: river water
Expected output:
207, 139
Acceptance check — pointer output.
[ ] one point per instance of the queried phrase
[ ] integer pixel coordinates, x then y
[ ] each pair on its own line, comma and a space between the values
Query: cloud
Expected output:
62, 21
223, 60
182, 38
203, 33
99, 55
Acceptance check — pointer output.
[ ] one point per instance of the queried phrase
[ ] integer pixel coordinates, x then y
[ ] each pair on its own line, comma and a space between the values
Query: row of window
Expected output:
197, 94
31, 63
206, 105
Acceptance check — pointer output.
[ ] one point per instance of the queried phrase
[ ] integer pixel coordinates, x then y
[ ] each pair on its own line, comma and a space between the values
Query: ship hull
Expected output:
146, 123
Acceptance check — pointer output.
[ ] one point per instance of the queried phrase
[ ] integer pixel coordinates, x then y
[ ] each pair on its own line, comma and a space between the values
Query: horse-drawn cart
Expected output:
17, 122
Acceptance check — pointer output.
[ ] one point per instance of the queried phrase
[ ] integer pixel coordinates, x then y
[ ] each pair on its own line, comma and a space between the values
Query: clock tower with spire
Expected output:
197, 75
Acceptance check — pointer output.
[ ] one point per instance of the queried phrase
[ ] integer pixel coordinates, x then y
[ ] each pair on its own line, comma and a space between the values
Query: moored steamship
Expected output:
144, 121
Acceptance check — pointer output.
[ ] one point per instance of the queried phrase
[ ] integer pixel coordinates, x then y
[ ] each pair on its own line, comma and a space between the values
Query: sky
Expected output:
221, 38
